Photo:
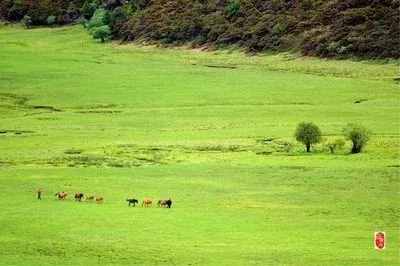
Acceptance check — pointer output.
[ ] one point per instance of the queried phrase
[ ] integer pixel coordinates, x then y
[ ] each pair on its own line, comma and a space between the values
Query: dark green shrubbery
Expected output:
51, 20
39, 10
88, 8
324, 28
99, 18
102, 32
98, 25
233, 8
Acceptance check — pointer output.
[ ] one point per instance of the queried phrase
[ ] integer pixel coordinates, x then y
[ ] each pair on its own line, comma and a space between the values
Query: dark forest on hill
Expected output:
336, 28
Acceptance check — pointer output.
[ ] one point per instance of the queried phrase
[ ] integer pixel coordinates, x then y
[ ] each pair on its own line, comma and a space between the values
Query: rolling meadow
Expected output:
213, 130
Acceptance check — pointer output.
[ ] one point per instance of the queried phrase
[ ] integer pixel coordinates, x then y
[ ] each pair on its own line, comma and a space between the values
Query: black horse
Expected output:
168, 202
132, 201
165, 203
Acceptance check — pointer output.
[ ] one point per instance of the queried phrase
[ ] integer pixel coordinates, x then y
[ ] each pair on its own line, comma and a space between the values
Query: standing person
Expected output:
39, 194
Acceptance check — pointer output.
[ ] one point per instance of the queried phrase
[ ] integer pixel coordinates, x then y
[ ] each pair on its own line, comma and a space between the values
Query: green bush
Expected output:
103, 33
51, 20
334, 145
358, 135
99, 18
308, 133
233, 8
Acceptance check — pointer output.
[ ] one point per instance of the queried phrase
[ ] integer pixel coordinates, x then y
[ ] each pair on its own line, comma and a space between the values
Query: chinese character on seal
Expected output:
380, 240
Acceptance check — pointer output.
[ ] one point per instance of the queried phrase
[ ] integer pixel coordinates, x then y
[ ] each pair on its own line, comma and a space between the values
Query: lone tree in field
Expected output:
308, 133
358, 135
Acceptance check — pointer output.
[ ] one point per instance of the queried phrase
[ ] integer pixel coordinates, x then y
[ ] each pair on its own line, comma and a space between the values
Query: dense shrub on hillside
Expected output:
368, 28
99, 18
323, 28
102, 33
98, 25
39, 10
51, 20
353, 27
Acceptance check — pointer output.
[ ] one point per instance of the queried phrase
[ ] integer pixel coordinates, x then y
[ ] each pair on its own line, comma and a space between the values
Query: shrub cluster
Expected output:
324, 28
98, 25
41, 12
309, 134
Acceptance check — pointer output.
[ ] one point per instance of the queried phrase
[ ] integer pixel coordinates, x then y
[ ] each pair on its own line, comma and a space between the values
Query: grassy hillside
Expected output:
336, 28
208, 129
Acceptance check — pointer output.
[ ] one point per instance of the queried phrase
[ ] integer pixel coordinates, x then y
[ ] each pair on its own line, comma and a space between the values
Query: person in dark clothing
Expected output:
39, 194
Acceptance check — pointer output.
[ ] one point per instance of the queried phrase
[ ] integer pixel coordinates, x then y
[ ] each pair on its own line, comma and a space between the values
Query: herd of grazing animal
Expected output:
79, 196
147, 202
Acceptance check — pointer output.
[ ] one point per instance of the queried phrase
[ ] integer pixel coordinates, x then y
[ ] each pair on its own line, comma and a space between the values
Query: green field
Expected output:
211, 130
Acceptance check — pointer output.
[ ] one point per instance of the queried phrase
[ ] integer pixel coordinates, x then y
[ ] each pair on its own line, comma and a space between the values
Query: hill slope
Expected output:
323, 28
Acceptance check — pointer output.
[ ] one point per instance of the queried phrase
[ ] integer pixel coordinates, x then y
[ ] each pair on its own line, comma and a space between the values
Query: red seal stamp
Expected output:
380, 240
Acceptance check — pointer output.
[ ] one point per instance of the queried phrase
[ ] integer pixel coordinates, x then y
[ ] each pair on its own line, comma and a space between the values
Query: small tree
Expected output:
335, 145
103, 33
358, 135
308, 133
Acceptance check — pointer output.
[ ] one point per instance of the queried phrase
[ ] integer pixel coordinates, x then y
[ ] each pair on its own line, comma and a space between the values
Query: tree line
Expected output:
336, 28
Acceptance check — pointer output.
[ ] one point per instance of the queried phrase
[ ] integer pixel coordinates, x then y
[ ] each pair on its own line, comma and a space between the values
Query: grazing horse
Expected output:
165, 203
168, 203
61, 195
132, 201
90, 198
161, 203
79, 196
99, 199
146, 202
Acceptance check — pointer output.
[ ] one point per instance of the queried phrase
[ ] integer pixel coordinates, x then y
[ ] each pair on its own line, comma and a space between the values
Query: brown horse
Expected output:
99, 199
161, 203
61, 195
147, 202
90, 198
79, 196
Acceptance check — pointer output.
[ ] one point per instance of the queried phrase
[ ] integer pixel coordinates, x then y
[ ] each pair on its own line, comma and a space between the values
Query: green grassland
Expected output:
208, 129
